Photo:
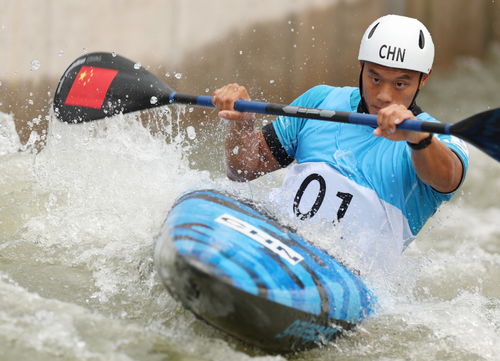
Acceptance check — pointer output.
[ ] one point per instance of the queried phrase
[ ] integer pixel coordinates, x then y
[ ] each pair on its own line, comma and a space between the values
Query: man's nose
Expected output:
384, 95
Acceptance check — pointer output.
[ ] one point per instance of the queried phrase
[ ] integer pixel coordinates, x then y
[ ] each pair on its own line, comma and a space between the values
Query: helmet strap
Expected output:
413, 106
362, 108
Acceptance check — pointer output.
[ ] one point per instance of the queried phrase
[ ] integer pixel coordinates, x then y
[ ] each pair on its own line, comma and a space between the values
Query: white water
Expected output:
78, 219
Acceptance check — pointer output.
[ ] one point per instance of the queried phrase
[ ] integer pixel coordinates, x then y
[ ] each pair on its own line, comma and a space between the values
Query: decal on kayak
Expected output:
265, 239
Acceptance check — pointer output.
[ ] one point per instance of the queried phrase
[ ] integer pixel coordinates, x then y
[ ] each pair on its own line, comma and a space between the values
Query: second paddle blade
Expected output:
481, 130
100, 85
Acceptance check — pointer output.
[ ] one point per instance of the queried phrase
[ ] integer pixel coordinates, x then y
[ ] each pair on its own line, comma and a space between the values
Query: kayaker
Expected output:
378, 183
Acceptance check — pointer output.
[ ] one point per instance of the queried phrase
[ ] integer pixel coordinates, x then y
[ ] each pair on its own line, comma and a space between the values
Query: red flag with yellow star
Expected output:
90, 87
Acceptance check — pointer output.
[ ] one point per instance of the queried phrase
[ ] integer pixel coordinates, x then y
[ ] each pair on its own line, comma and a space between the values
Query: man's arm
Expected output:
436, 165
247, 154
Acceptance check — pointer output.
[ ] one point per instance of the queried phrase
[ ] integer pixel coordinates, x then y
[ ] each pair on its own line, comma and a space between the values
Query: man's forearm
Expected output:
438, 166
241, 150
247, 154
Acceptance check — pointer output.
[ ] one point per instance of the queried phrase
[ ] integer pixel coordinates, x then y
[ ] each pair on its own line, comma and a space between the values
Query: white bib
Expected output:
316, 191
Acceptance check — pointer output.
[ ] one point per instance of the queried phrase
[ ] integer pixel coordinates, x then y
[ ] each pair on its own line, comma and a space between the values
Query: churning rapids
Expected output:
78, 219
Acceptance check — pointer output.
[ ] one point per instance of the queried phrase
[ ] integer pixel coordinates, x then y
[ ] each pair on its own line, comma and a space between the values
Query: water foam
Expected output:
9, 140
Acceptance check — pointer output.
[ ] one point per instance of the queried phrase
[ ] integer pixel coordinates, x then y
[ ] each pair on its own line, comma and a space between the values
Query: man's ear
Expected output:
425, 77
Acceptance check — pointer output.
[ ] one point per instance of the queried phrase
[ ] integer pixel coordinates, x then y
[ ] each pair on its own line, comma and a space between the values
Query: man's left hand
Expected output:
389, 117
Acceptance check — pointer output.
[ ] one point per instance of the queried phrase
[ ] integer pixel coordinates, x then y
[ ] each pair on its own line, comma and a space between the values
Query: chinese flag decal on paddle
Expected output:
90, 87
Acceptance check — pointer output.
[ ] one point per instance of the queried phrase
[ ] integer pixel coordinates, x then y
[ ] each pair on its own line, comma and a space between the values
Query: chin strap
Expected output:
413, 106
362, 108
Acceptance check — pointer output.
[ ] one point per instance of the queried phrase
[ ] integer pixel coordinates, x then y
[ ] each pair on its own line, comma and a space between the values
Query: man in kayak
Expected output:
381, 183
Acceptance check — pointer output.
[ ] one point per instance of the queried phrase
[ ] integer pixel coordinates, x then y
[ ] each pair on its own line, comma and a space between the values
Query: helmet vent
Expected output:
372, 31
421, 40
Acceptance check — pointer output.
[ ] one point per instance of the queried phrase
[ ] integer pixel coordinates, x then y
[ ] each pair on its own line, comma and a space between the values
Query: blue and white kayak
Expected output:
243, 272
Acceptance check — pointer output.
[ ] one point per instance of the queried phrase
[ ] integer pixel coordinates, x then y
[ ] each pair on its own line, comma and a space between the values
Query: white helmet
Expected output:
398, 42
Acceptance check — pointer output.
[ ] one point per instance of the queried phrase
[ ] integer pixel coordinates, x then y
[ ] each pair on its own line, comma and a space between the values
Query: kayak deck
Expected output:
244, 273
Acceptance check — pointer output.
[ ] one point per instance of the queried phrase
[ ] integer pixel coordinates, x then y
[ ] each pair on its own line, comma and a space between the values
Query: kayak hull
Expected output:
241, 271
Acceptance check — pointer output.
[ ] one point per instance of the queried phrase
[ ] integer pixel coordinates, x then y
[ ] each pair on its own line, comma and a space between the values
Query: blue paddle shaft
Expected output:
133, 89
311, 113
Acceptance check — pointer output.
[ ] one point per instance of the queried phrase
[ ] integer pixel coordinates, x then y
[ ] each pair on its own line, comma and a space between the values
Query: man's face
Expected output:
383, 86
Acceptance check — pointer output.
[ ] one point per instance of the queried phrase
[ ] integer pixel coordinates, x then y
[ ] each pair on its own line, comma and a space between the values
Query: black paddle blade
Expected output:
100, 85
481, 130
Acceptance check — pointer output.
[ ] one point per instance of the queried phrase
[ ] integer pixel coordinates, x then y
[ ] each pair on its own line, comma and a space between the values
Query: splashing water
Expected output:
9, 140
78, 224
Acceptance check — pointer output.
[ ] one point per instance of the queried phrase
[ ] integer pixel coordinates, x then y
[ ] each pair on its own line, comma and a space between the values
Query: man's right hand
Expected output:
224, 99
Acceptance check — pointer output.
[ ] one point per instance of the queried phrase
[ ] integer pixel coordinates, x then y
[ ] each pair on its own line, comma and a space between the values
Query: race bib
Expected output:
317, 192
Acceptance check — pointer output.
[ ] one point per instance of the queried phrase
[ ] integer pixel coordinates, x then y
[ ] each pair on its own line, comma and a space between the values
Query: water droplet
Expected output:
271, 81
178, 75
153, 100
241, 52
113, 54
137, 66
191, 132
35, 64
60, 53
207, 90
30, 101
168, 75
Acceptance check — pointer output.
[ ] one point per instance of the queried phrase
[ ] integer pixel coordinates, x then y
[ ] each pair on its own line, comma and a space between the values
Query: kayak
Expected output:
243, 272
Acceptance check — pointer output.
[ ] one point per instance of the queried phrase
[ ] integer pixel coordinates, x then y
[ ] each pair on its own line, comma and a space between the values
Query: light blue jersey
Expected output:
378, 168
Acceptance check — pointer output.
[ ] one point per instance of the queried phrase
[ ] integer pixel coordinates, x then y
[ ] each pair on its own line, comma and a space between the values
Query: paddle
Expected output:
100, 85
